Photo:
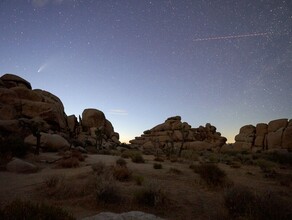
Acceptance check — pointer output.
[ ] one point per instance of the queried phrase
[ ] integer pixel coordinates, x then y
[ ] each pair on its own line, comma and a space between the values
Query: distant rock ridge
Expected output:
277, 134
22, 107
177, 134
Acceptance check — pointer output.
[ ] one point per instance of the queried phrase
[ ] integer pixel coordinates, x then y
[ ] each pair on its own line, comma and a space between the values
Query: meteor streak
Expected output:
231, 36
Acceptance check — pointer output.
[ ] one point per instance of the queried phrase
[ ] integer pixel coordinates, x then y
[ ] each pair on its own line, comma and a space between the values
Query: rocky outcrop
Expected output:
133, 215
23, 109
277, 134
18, 100
176, 134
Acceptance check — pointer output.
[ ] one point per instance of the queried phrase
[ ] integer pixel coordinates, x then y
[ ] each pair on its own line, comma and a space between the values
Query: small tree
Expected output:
185, 134
98, 137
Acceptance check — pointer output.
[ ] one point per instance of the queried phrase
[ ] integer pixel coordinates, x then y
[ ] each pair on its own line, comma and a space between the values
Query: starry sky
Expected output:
227, 62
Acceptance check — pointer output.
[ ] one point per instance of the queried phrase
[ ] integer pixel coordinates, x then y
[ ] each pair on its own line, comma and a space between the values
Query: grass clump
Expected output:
151, 195
157, 166
211, 174
27, 210
107, 191
53, 180
158, 159
98, 168
239, 200
268, 167
121, 173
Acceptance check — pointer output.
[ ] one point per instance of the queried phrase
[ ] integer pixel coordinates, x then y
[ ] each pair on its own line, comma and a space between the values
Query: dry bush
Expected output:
151, 195
175, 171
107, 191
190, 155
129, 153
158, 159
239, 200
138, 158
121, 162
121, 173
138, 180
157, 166
71, 162
18, 209
78, 155
266, 166
211, 174
270, 206
235, 164
99, 167
244, 203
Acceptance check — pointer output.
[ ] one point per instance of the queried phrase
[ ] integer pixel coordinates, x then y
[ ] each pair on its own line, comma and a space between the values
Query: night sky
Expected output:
227, 62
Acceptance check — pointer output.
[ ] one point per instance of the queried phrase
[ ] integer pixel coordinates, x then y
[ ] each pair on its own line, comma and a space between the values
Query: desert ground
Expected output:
181, 192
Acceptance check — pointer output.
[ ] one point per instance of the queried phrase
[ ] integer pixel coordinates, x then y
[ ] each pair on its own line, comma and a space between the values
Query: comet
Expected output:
231, 36
42, 67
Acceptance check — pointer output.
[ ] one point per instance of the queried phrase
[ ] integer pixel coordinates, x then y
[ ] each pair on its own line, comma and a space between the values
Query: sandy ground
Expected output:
188, 194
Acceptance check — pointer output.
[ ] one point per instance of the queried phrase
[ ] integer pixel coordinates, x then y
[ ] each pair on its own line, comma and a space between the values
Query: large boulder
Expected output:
10, 80
287, 138
72, 123
21, 166
49, 142
274, 139
276, 124
92, 118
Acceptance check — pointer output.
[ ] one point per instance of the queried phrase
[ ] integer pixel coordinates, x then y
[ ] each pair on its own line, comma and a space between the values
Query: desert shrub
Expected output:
284, 158
157, 166
266, 166
244, 158
53, 180
235, 164
270, 206
239, 201
175, 171
151, 195
138, 180
71, 162
78, 155
107, 191
211, 174
98, 168
129, 153
27, 210
138, 158
121, 162
121, 173
14, 146
190, 155
285, 179
158, 159
243, 202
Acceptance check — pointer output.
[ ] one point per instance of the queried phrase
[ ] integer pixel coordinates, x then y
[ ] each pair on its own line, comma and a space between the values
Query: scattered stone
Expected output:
21, 166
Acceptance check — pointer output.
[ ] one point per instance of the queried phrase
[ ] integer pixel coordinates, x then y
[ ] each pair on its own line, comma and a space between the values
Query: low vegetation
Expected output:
18, 209
211, 174
157, 166
151, 195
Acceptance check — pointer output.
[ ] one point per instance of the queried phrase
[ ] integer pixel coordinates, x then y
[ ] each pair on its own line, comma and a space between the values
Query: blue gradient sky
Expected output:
141, 62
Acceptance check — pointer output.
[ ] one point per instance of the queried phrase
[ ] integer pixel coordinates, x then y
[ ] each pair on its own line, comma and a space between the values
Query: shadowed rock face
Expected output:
174, 132
277, 134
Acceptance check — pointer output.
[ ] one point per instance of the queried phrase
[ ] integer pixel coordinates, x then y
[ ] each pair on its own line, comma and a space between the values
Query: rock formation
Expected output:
277, 134
23, 109
179, 135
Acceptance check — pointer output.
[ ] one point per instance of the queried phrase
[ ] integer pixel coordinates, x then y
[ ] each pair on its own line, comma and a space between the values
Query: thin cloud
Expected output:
118, 112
